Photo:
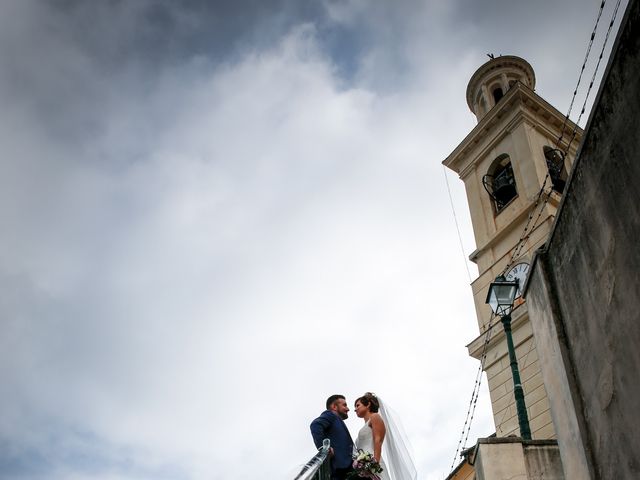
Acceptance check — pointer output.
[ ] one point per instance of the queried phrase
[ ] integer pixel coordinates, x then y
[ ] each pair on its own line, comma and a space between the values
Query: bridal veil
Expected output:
395, 448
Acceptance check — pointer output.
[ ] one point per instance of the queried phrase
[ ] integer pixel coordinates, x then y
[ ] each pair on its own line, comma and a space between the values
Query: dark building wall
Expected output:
583, 294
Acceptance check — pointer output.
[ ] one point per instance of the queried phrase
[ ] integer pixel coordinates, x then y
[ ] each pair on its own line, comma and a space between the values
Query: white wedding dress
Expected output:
365, 442
397, 460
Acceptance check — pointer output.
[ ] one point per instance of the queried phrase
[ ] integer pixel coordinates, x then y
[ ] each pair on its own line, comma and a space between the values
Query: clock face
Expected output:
518, 272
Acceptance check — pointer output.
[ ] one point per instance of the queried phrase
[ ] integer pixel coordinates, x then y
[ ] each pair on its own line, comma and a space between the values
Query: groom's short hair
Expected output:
333, 399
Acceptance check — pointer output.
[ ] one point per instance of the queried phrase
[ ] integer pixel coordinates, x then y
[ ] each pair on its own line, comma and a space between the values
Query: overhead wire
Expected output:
543, 193
584, 65
466, 428
595, 72
455, 218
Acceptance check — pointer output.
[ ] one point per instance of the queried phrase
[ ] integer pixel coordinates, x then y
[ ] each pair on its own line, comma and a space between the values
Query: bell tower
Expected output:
513, 166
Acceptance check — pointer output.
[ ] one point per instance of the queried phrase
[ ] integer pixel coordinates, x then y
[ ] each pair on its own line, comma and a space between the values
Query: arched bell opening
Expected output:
555, 167
500, 183
497, 94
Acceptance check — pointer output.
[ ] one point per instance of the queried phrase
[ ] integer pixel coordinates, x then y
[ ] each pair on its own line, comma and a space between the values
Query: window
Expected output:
497, 94
555, 166
500, 183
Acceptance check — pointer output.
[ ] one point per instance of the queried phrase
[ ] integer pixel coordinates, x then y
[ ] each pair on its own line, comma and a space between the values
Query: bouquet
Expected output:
365, 466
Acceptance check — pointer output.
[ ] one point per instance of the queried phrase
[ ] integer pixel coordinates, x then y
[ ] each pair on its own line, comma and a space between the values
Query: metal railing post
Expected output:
319, 467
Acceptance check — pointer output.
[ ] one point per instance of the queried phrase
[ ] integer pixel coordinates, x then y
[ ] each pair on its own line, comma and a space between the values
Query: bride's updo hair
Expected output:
370, 400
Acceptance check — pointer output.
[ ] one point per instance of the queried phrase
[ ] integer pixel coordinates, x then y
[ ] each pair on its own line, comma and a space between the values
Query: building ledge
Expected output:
499, 440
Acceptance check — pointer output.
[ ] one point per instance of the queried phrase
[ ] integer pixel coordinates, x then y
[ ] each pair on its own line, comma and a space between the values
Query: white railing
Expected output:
318, 468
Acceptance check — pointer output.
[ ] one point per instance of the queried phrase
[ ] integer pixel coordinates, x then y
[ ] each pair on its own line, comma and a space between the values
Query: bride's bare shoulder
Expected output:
375, 418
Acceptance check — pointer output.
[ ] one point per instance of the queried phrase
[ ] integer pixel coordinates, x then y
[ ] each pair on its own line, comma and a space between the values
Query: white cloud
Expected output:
210, 289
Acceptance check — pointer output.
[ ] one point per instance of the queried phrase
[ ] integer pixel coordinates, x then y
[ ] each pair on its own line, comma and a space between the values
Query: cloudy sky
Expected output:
217, 213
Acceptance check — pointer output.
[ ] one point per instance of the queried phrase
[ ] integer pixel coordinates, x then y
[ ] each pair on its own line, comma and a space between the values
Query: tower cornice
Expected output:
554, 201
526, 104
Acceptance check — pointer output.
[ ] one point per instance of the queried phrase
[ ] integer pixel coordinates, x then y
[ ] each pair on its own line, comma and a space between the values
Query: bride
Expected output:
382, 436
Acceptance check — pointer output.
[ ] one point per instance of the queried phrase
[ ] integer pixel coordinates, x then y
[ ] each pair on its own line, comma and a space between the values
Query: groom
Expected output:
330, 425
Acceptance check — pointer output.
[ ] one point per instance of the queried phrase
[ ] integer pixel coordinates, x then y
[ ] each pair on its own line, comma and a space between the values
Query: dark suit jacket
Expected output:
330, 425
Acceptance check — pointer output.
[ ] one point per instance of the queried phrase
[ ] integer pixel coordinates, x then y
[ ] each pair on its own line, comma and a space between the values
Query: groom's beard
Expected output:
343, 416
